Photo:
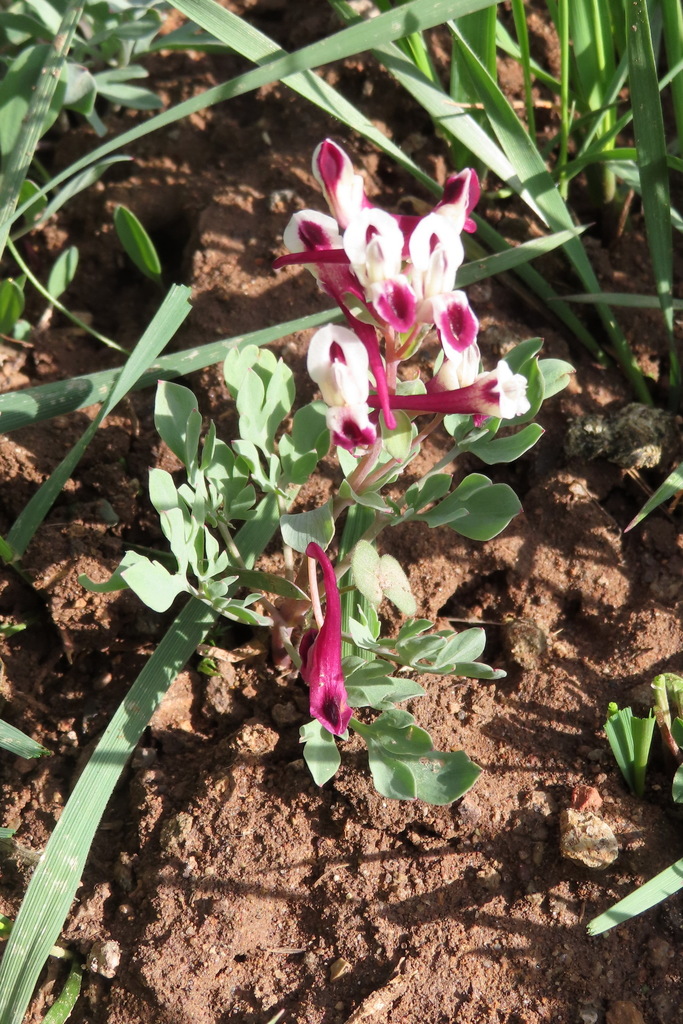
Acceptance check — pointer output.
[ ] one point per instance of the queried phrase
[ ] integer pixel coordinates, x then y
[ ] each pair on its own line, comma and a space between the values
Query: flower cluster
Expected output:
393, 275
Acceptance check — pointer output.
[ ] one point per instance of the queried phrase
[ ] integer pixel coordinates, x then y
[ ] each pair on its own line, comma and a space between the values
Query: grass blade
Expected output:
672, 14
625, 299
57, 876
415, 16
648, 126
522, 30
19, 743
22, 408
538, 184
511, 258
22, 151
54, 301
671, 486
169, 317
66, 1000
666, 883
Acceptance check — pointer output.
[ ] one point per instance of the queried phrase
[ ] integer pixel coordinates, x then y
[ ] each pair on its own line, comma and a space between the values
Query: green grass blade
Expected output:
628, 172
643, 730
57, 876
66, 1000
512, 258
562, 26
168, 319
22, 408
666, 883
507, 44
625, 299
22, 151
538, 183
672, 14
672, 485
413, 17
591, 150
522, 30
257, 47
648, 125
75, 185
620, 736
19, 743
54, 301
439, 107
590, 29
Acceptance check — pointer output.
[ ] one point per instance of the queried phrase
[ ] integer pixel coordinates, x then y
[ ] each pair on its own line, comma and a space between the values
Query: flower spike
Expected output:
320, 651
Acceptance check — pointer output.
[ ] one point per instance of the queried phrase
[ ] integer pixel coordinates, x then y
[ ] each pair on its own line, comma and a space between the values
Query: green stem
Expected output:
25, 269
563, 31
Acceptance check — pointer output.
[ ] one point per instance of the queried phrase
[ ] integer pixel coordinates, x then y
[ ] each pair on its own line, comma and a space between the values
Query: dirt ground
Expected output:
233, 886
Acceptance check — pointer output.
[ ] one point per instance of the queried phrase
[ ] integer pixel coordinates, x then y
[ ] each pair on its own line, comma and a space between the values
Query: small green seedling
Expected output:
137, 243
630, 739
667, 687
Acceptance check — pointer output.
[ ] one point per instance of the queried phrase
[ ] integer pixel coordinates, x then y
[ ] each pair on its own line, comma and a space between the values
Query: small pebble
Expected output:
586, 798
104, 958
586, 838
339, 968
624, 1012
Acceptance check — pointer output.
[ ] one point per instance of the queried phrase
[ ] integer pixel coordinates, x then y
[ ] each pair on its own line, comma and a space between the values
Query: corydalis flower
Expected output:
320, 651
338, 363
342, 187
497, 393
400, 269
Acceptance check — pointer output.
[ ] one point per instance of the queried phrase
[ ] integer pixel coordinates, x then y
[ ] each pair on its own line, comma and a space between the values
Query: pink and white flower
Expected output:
460, 195
338, 363
497, 393
436, 252
343, 189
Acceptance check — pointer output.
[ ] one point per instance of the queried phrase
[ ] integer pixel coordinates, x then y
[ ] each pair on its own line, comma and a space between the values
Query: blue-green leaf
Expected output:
320, 752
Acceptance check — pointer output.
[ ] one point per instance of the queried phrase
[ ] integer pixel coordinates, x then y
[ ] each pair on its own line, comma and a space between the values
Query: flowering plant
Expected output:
394, 280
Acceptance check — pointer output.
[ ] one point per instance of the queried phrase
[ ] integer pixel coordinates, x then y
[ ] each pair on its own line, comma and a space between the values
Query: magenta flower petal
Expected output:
455, 323
395, 303
320, 651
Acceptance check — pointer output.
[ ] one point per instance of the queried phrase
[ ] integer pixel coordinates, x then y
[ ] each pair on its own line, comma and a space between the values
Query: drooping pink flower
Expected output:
320, 650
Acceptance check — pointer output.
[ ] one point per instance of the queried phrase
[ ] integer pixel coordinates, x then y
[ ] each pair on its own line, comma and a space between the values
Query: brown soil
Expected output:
233, 885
